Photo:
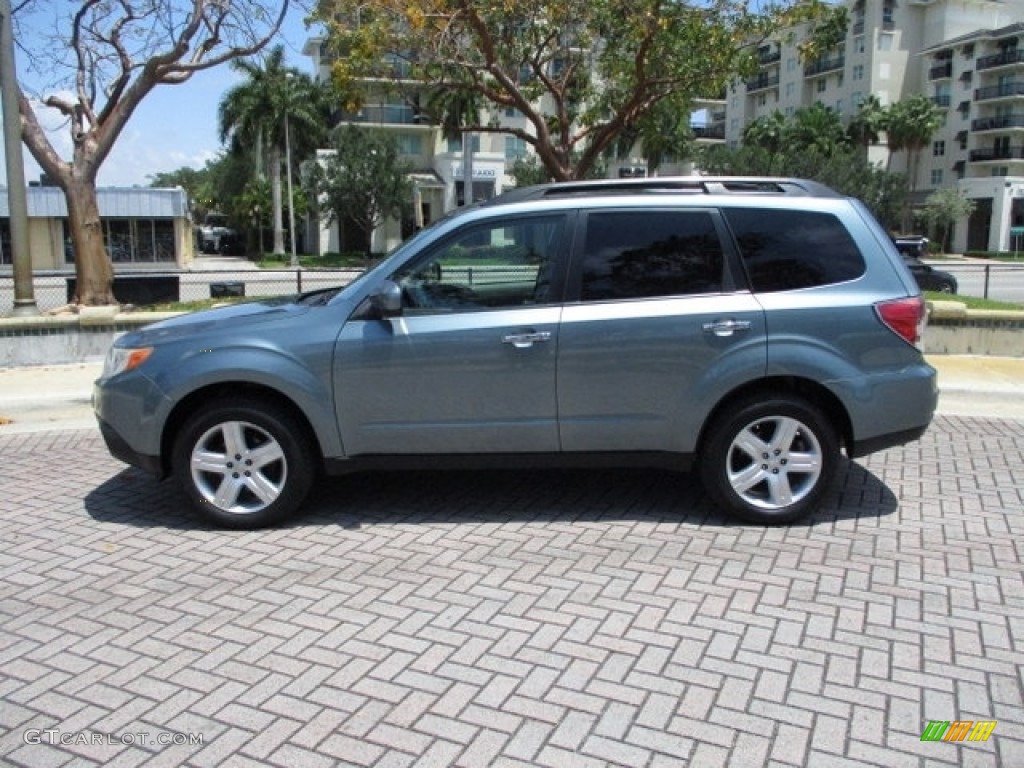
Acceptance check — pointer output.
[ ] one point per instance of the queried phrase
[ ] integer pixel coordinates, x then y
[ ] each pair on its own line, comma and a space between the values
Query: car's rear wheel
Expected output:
770, 460
244, 464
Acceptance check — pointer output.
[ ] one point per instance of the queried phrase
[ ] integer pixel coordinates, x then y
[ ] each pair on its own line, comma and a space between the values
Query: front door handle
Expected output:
525, 340
726, 327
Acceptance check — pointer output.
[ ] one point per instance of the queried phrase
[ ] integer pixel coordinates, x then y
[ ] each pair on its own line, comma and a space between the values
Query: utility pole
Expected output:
21, 257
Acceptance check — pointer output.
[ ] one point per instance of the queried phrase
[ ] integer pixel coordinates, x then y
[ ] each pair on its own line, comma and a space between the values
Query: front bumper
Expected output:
120, 450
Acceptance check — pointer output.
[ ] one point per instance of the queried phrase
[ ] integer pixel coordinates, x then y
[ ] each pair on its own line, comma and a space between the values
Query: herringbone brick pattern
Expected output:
514, 619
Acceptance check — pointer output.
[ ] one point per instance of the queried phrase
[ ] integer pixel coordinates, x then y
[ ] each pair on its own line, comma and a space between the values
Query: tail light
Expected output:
905, 317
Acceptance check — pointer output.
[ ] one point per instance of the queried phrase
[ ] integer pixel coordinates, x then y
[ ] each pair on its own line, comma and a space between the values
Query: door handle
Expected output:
726, 327
525, 340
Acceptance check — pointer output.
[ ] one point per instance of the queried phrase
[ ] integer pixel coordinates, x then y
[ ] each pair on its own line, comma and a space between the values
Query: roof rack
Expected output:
707, 185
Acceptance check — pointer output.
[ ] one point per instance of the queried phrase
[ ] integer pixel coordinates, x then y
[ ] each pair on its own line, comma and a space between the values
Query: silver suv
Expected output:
752, 329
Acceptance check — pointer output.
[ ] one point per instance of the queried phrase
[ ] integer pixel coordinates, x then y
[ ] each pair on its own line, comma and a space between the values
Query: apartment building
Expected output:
443, 166
961, 53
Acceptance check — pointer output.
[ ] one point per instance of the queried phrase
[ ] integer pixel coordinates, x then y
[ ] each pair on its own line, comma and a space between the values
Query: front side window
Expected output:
491, 265
647, 254
786, 250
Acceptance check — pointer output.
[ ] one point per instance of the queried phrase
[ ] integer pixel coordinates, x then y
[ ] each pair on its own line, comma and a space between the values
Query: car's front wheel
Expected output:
770, 460
244, 464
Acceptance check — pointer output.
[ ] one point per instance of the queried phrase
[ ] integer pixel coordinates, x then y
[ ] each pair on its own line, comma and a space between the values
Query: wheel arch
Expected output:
227, 391
809, 390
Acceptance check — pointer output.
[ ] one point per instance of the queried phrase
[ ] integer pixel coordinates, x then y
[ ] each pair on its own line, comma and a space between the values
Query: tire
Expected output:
770, 460
267, 478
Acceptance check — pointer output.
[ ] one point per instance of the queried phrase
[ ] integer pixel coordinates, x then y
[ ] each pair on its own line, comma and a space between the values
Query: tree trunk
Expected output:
276, 197
94, 275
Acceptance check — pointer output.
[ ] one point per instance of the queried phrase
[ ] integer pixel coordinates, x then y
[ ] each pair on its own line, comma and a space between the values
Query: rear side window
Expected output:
645, 254
786, 250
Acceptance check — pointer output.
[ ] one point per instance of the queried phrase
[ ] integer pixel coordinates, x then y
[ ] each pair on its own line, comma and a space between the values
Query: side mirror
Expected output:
387, 299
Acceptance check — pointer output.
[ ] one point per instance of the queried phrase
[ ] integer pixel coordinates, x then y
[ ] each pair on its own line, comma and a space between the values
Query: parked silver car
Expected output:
750, 328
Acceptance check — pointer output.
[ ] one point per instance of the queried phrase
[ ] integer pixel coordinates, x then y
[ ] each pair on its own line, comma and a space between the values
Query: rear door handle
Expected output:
726, 327
525, 340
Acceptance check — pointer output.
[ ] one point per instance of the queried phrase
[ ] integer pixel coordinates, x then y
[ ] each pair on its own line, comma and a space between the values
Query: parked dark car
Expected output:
913, 248
929, 278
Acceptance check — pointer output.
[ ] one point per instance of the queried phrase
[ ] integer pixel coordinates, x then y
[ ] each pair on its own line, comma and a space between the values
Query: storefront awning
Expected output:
426, 180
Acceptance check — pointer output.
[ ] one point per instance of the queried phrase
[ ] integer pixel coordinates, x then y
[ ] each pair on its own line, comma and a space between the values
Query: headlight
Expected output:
121, 359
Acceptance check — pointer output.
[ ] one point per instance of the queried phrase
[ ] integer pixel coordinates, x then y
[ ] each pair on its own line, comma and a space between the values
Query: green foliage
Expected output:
583, 73
845, 170
942, 209
815, 128
364, 179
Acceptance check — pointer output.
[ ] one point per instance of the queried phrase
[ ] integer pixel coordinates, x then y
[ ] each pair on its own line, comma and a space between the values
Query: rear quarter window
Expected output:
786, 250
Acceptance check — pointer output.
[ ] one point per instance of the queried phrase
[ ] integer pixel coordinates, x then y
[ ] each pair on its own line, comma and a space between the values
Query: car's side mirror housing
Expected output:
387, 299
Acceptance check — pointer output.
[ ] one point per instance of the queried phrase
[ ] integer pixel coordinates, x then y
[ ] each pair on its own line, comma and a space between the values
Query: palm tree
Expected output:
869, 122
816, 128
273, 101
910, 125
766, 132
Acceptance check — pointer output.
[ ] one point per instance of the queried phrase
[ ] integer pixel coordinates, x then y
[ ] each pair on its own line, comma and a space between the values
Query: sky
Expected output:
175, 126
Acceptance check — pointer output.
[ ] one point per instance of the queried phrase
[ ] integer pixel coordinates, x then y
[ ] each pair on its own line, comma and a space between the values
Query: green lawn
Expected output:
973, 302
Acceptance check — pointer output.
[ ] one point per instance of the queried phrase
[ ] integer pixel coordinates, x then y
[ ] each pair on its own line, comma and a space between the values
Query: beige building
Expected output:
142, 228
961, 53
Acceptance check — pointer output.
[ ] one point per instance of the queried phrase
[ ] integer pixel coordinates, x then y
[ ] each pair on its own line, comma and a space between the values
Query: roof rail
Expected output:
708, 185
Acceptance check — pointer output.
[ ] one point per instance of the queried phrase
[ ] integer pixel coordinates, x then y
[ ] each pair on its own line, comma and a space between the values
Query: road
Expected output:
1003, 282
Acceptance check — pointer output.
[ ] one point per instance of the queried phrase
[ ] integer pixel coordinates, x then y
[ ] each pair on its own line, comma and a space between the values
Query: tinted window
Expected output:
785, 250
493, 265
642, 254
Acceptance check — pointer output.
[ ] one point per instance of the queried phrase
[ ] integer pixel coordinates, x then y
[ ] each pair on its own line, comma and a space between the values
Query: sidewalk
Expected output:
39, 398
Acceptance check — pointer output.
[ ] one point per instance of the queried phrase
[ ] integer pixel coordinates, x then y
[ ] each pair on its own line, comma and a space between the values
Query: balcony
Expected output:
941, 71
1000, 122
942, 99
709, 131
822, 66
1004, 91
390, 114
761, 82
1004, 59
769, 57
990, 154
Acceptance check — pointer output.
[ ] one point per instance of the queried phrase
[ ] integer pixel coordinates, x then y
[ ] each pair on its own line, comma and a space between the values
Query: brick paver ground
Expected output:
514, 619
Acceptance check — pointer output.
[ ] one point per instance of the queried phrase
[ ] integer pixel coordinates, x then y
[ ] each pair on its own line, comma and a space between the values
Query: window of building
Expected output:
822, 84
856, 99
888, 12
858, 72
839, 80
790, 89
790, 111
938, 148
5, 242
885, 41
762, 99
859, 46
936, 178
968, 51
455, 144
791, 64
839, 106
1001, 170
515, 148
512, 112
639, 255
410, 143
773, 247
